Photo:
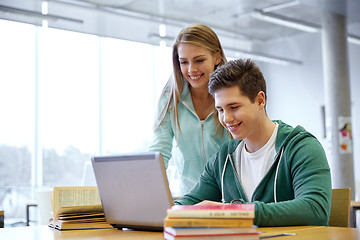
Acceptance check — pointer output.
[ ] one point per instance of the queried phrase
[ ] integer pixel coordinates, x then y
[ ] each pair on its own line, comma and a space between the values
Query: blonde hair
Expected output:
199, 35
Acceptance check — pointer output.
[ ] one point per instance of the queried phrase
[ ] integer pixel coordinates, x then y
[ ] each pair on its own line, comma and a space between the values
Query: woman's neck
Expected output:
203, 102
200, 93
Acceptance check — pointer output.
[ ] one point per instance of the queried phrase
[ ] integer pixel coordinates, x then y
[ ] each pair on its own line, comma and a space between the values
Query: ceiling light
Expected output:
262, 57
236, 53
280, 6
353, 39
44, 8
296, 24
162, 30
285, 21
162, 43
17, 14
45, 24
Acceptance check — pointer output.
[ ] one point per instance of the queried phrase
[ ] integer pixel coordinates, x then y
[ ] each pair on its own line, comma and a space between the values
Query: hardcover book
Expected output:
234, 236
212, 211
209, 222
186, 231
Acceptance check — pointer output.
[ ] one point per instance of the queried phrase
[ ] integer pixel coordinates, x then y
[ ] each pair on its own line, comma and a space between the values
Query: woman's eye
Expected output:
183, 62
235, 107
200, 60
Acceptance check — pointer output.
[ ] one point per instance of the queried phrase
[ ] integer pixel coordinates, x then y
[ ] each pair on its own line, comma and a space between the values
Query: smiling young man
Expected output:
281, 169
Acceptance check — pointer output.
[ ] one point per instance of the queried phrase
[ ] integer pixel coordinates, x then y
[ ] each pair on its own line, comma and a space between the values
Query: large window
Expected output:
127, 78
17, 114
66, 96
68, 103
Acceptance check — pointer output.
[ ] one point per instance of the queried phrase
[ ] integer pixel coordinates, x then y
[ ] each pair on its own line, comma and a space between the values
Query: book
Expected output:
72, 224
235, 236
80, 198
209, 222
77, 207
212, 211
195, 231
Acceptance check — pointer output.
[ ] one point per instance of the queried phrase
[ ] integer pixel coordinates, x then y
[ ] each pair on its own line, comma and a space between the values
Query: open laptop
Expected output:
134, 190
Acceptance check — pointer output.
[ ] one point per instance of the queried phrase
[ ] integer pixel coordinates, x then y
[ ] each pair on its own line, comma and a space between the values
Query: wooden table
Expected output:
46, 233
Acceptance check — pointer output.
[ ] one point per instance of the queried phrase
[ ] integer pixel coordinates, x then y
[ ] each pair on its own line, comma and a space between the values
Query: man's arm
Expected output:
206, 188
311, 183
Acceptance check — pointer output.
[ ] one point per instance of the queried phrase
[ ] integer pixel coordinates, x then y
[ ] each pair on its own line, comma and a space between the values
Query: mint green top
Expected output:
195, 144
295, 191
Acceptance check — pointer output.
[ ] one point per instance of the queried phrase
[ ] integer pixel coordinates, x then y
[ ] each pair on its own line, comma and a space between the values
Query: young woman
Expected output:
186, 116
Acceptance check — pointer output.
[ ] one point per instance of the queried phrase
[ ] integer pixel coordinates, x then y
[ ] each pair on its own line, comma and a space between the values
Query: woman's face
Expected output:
196, 64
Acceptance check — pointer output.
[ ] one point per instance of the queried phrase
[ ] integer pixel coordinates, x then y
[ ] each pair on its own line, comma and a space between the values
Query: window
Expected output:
17, 107
66, 96
68, 103
127, 96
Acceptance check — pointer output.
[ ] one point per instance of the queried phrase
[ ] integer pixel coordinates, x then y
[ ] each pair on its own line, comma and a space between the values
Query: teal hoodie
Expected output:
295, 191
194, 145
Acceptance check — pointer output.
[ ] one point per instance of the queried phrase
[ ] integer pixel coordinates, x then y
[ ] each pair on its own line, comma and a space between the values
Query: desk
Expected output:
46, 233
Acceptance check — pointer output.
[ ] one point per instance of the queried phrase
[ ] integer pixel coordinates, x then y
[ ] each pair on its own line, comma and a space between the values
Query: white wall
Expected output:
296, 93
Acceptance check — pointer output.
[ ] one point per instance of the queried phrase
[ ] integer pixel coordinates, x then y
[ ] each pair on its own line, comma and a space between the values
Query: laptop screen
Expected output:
134, 190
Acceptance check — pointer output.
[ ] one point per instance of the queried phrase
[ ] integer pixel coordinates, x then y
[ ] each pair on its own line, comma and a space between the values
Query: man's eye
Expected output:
235, 107
220, 110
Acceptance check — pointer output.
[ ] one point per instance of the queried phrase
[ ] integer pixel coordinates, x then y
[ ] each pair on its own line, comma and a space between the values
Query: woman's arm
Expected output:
163, 134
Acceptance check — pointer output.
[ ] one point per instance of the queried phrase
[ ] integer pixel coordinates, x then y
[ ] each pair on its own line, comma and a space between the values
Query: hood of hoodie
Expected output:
285, 135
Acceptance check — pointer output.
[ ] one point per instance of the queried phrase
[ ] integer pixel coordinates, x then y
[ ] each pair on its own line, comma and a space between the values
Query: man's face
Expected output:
237, 113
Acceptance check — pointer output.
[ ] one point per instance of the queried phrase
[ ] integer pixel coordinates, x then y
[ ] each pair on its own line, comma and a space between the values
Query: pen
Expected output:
278, 235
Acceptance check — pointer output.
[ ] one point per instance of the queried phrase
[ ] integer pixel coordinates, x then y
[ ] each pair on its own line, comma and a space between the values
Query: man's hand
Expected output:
207, 202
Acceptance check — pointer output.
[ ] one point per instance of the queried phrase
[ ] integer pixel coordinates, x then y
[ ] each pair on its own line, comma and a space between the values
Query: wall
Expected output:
296, 94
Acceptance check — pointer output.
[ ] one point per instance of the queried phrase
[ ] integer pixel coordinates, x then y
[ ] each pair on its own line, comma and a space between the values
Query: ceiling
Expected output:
237, 22
243, 17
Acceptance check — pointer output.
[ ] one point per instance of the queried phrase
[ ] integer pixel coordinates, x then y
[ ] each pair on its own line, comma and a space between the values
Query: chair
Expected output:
1, 219
355, 206
340, 207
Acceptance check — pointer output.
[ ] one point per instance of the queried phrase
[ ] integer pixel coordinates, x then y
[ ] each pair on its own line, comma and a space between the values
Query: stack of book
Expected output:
77, 207
227, 221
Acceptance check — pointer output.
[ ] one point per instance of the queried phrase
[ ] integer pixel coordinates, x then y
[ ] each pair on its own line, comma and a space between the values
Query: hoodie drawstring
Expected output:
222, 179
276, 173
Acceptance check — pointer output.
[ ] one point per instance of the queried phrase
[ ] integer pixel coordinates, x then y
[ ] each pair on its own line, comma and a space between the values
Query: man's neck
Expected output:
261, 136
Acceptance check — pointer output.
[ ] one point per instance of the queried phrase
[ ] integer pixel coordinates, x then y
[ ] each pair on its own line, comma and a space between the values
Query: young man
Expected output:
281, 169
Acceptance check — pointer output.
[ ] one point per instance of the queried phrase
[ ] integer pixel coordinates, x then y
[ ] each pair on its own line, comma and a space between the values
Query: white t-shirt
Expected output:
252, 167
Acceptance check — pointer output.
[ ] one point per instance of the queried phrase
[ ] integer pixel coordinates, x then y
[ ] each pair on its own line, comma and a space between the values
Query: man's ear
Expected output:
260, 99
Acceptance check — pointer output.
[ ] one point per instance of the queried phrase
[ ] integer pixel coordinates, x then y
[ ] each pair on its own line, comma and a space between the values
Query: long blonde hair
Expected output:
199, 35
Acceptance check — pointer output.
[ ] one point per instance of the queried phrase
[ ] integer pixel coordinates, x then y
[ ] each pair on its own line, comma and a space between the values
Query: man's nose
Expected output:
228, 117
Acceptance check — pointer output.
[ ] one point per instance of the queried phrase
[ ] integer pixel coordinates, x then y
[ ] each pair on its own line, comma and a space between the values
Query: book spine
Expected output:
209, 214
172, 222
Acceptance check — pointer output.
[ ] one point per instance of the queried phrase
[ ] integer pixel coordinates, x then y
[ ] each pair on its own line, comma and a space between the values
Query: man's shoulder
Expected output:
229, 146
225, 149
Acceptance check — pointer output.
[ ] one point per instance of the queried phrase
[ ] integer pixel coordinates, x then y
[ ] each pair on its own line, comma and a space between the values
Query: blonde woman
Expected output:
186, 114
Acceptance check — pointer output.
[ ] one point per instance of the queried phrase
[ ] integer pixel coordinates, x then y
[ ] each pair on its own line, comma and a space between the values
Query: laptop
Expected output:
133, 189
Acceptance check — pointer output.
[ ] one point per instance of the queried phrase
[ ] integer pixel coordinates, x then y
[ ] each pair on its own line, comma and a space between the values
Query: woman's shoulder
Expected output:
164, 98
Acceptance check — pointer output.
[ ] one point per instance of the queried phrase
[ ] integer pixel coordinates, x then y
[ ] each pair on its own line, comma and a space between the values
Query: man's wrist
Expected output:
237, 201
